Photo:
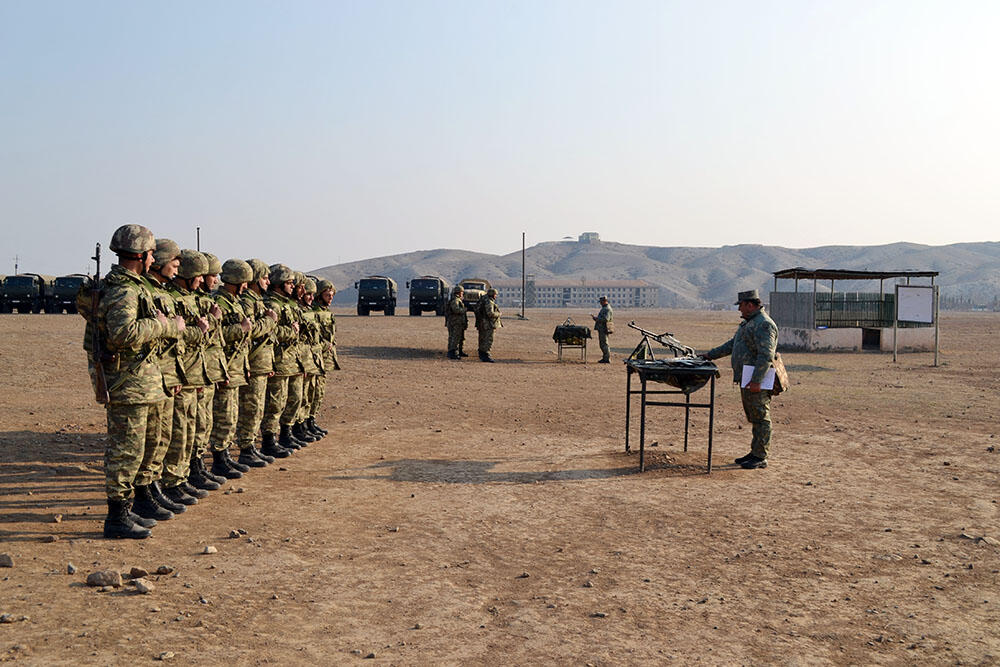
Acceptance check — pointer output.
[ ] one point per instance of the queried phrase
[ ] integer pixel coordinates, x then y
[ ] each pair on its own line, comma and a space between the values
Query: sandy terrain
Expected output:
472, 513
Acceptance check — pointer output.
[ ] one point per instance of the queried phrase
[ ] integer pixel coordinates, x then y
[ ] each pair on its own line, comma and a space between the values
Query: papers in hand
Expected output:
766, 383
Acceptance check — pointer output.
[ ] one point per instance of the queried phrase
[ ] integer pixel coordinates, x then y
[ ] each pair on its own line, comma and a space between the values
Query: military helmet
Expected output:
300, 278
132, 239
310, 286
214, 265
259, 268
236, 271
166, 250
457, 289
323, 285
491, 291
281, 273
193, 264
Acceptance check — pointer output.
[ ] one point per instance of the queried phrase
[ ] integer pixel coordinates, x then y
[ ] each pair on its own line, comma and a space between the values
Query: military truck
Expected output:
376, 293
428, 293
63, 294
25, 292
474, 288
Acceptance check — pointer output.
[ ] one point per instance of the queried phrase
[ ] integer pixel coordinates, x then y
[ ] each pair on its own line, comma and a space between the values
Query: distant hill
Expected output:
688, 277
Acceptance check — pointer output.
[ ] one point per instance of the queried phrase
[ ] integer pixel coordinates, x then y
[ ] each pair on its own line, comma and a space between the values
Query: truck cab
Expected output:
475, 289
63, 293
376, 293
25, 292
428, 293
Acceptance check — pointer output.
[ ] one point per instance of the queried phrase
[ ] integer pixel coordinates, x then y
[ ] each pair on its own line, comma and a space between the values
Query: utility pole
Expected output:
197, 240
524, 289
15, 264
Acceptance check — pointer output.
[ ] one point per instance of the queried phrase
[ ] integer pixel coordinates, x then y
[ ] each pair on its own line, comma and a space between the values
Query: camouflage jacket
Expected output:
286, 357
309, 342
488, 314
126, 318
328, 336
261, 351
193, 355
172, 346
456, 315
605, 320
215, 353
237, 341
754, 344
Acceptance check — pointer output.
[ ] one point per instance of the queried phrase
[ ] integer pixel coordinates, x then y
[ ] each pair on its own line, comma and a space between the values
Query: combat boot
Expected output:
193, 492
146, 506
261, 455
316, 427
218, 479
197, 477
163, 501
248, 459
461, 352
270, 447
452, 354
178, 495
299, 431
234, 464
286, 440
119, 522
221, 465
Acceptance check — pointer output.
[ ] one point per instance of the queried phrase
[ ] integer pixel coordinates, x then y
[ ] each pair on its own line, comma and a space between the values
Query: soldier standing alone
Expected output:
604, 325
754, 344
456, 318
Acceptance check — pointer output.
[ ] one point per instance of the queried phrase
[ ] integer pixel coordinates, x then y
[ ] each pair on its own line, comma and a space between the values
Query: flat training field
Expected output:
462, 512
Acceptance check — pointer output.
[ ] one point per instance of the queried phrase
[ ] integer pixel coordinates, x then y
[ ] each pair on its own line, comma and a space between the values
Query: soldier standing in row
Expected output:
286, 363
755, 344
261, 359
311, 362
487, 321
456, 318
130, 328
327, 324
604, 325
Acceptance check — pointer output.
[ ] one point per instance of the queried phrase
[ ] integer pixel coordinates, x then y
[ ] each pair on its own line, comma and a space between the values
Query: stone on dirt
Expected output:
105, 578
143, 586
164, 569
210, 550
138, 572
70, 568
6, 560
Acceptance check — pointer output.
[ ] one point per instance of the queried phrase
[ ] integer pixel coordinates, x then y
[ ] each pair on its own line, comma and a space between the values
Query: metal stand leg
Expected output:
628, 406
642, 429
711, 423
687, 418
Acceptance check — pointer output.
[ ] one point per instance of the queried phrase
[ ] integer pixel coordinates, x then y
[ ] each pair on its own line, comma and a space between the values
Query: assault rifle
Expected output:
665, 339
100, 382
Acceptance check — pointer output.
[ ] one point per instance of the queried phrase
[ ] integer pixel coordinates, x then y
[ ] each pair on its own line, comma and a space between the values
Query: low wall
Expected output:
792, 339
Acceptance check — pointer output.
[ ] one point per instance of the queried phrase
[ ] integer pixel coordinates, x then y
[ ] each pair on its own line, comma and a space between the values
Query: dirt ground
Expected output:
470, 513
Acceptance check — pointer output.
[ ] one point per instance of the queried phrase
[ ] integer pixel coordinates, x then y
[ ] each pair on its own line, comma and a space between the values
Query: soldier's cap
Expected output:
214, 265
492, 291
323, 285
132, 240
280, 274
310, 286
749, 295
259, 268
457, 289
166, 250
236, 272
193, 264
603, 297
300, 278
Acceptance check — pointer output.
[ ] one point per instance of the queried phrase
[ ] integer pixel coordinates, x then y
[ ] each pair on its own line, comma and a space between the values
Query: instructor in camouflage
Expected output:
754, 344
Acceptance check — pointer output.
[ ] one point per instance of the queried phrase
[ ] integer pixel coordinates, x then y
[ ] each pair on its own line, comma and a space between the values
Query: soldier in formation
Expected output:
185, 364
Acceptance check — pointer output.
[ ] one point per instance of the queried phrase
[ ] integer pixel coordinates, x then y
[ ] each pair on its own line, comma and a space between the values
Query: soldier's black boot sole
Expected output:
221, 467
270, 448
261, 455
119, 523
248, 459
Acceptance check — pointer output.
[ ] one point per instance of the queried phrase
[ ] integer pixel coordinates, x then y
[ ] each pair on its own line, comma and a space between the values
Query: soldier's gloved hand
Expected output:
272, 314
203, 324
179, 321
215, 311
246, 324
162, 319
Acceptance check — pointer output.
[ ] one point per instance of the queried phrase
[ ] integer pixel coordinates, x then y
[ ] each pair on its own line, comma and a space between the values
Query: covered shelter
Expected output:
827, 320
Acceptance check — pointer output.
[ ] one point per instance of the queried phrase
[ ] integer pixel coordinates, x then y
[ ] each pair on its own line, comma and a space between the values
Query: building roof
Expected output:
799, 273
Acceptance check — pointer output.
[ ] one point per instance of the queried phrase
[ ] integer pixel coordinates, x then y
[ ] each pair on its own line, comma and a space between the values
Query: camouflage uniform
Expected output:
226, 402
193, 372
456, 318
126, 318
261, 361
286, 362
218, 374
487, 321
603, 324
754, 344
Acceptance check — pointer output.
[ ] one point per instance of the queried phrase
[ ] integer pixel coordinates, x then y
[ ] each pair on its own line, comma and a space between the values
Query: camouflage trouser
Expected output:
130, 427
290, 414
151, 467
602, 340
251, 410
274, 403
320, 393
757, 406
456, 338
308, 407
203, 430
178, 457
225, 412
485, 341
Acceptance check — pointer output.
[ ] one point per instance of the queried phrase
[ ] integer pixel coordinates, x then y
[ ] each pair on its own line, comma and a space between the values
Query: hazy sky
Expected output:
322, 132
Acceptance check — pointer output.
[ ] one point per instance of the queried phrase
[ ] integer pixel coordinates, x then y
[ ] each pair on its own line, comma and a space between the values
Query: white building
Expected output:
565, 294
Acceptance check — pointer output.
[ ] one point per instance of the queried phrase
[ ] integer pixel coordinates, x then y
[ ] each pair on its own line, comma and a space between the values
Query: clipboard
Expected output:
766, 383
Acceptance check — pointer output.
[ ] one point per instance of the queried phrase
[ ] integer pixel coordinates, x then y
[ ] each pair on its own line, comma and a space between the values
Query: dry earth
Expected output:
475, 513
